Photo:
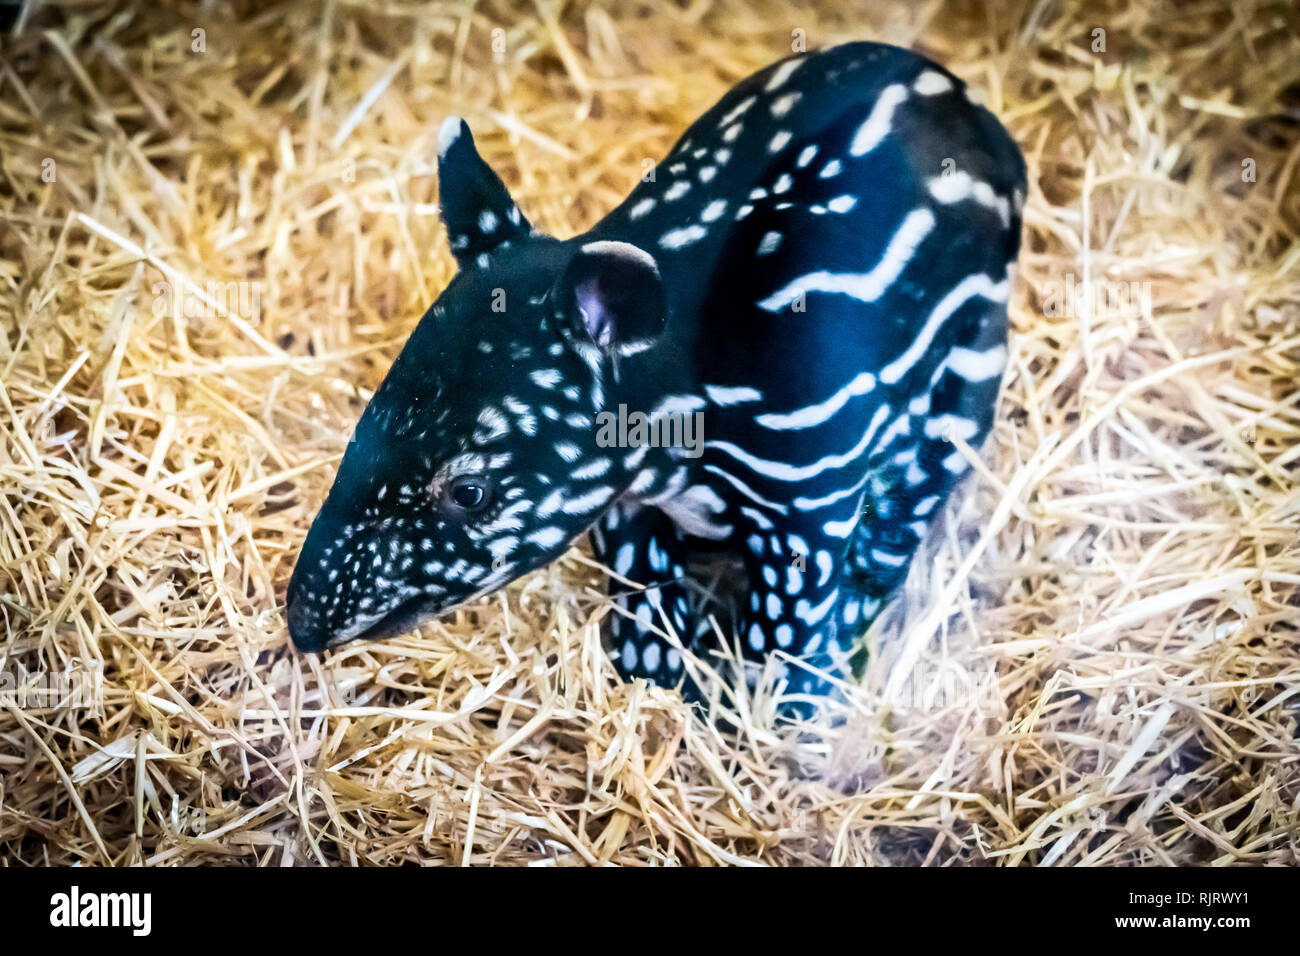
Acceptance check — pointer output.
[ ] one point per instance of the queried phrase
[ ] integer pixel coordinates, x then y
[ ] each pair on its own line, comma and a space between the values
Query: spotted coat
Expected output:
817, 273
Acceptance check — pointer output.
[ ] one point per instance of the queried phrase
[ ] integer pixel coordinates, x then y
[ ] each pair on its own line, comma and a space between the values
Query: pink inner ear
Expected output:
596, 318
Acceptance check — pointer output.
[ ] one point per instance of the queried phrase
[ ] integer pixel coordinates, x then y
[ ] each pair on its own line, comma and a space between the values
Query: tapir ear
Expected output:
611, 295
477, 210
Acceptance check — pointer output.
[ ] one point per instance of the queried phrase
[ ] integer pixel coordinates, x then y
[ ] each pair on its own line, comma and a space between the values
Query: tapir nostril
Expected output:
305, 636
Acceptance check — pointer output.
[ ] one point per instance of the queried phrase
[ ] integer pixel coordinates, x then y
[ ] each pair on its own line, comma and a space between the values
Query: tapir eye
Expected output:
470, 493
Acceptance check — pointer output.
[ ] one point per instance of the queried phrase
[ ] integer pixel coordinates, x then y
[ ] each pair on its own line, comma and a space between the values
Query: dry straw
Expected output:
1095, 662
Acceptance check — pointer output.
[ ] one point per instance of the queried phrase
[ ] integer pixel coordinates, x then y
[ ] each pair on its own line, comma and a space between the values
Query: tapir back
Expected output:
836, 237
810, 166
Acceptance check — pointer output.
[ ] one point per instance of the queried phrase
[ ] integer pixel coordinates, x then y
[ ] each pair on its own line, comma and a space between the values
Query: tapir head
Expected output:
478, 458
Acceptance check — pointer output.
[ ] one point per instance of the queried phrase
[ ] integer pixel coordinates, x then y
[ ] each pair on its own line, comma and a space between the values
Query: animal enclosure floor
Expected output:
216, 232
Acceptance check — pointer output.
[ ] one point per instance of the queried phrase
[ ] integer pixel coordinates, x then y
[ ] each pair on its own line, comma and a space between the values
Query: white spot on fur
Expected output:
932, 83
714, 210
685, 236
677, 190
547, 537
878, 123
641, 208
448, 133
959, 186
782, 73
783, 104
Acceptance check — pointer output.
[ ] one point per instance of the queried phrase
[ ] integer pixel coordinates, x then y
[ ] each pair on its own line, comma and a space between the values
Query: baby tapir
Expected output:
812, 283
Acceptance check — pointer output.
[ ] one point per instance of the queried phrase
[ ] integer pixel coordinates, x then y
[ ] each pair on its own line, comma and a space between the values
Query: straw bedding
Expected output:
1095, 660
